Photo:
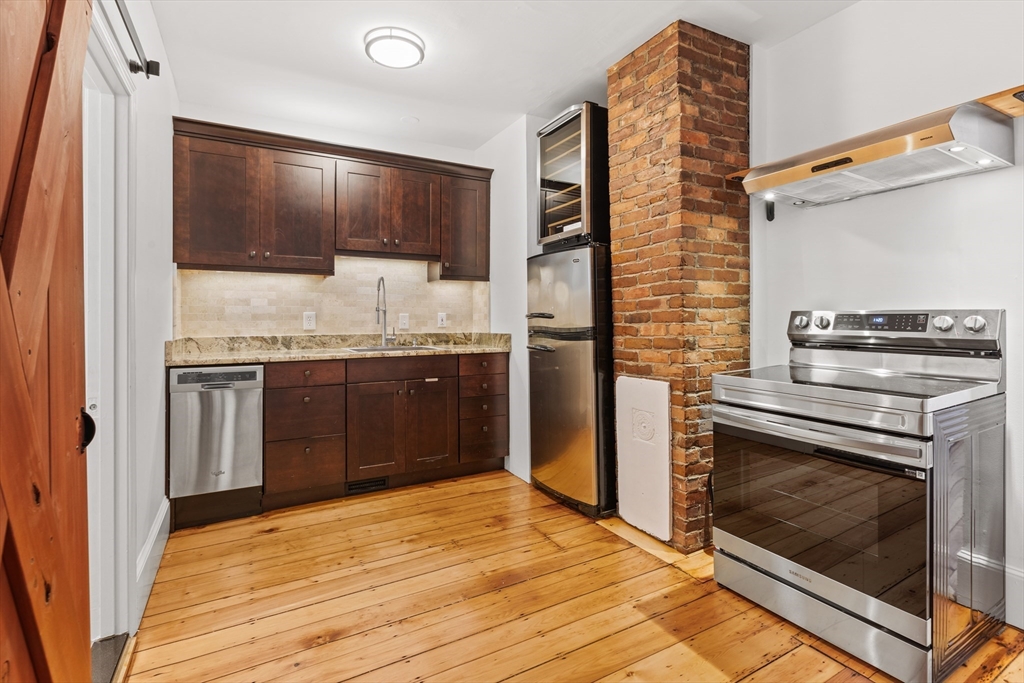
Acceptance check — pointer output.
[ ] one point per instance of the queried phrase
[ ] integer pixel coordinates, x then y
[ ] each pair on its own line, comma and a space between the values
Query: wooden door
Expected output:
296, 211
363, 219
465, 229
432, 424
376, 430
415, 212
44, 573
216, 203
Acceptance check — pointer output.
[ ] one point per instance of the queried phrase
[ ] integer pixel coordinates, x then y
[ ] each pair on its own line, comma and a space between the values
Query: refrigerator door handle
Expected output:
541, 347
549, 316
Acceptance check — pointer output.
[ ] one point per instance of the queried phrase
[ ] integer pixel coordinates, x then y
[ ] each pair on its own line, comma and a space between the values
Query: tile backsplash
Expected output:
211, 303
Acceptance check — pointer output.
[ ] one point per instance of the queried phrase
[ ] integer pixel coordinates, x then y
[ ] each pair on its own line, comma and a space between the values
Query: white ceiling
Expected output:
487, 63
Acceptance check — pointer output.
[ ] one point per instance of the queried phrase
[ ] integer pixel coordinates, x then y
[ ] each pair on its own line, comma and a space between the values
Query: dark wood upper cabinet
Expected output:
296, 211
376, 430
432, 430
364, 217
465, 229
415, 212
216, 203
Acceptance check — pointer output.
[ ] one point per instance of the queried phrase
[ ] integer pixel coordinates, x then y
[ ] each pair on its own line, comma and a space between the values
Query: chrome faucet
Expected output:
384, 338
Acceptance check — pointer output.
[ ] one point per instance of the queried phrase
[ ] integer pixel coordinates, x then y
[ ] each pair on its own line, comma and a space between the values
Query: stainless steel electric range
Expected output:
859, 490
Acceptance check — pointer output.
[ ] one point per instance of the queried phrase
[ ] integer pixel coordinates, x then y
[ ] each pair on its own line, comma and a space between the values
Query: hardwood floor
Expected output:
475, 579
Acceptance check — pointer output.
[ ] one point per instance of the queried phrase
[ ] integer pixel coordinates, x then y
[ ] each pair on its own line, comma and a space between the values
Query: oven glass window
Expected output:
865, 528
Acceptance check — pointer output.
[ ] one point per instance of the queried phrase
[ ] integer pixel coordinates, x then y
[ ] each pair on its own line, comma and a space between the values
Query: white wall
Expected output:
953, 244
512, 155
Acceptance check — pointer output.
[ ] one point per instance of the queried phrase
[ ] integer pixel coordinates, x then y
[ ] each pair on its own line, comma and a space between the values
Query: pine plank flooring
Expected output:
476, 579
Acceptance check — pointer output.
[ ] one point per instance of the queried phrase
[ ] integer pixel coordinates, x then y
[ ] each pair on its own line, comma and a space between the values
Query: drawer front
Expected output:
395, 369
483, 406
304, 374
483, 451
483, 364
304, 463
483, 385
301, 413
483, 430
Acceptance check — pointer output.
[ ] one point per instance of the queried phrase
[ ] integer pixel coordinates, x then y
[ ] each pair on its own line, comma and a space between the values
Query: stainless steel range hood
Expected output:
969, 138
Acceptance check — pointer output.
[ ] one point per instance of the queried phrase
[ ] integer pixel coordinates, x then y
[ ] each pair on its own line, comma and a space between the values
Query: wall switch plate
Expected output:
309, 320
403, 321
442, 320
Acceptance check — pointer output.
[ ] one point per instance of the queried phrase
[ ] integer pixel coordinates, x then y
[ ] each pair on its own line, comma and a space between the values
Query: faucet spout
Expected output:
382, 309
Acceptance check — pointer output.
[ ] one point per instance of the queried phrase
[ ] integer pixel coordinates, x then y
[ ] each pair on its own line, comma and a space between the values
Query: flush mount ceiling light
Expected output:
394, 47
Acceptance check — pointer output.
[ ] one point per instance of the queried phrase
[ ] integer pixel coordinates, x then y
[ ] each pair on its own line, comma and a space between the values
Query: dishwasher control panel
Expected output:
198, 377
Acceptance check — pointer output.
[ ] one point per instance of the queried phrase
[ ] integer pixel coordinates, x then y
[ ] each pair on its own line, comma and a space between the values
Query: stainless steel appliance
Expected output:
216, 429
571, 409
858, 490
573, 176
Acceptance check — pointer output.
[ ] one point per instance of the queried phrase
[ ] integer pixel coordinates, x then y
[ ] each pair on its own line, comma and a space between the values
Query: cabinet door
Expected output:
415, 212
296, 211
465, 229
216, 203
376, 430
364, 222
432, 424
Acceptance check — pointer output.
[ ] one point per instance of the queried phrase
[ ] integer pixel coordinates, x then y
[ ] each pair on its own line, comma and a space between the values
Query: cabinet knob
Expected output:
305, 399
485, 406
484, 386
308, 449
396, 243
399, 392
484, 428
385, 240
447, 265
306, 373
266, 254
252, 254
412, 391
483, 364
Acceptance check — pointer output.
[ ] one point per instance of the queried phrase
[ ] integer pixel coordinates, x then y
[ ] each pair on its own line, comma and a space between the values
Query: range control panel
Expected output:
903, 322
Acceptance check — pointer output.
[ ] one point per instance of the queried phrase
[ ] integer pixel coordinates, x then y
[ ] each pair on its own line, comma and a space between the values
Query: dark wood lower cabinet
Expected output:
302, 412
304, 463
432, 424
376, 429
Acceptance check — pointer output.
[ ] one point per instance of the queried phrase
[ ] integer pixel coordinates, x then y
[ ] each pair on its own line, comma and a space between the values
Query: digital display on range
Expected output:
888, 322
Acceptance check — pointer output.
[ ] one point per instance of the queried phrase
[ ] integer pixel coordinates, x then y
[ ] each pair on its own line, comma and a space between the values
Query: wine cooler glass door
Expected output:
561, 181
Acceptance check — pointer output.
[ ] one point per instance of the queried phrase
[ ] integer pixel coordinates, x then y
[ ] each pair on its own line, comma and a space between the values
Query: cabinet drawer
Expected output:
304, 463
394, 369
483, 430
304, 373
301, 413
483, 364
483, 406
483, 385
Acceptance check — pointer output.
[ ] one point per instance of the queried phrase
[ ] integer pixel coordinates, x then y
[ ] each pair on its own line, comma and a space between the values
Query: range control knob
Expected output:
975, 323
822, 323
801, 321
943, 323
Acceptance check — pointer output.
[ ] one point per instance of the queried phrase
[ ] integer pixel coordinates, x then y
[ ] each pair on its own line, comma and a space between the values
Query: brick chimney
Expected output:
678, 112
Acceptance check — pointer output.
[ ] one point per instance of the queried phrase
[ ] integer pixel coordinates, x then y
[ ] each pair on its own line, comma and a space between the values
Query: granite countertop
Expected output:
190, 351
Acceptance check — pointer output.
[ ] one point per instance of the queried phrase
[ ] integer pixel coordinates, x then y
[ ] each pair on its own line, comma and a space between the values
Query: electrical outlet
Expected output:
403, 321
309, 320
442, 320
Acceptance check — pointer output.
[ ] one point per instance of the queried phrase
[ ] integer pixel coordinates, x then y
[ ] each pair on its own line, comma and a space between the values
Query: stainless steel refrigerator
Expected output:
571, 400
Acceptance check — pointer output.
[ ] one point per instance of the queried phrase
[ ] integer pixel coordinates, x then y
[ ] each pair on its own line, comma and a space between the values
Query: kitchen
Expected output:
949, 244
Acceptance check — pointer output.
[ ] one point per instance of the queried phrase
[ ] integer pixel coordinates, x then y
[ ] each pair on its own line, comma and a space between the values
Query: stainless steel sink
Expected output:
393, 349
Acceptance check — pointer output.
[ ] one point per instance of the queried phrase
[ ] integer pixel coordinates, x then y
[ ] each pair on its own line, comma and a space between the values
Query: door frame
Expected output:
122, 608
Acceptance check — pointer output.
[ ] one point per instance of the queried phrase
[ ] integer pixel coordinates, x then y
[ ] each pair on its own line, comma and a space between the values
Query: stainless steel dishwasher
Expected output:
216, 429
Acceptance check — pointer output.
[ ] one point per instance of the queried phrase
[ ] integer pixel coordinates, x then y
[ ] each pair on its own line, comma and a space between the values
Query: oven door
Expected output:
839, 513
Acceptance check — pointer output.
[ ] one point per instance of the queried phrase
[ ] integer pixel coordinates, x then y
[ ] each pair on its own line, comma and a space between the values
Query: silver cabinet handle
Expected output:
447, 265
305, 399
483, 364
306, 373
385, 240
252, 254
396, 243
484, 386
549, 316
412, 391
485, 428
541, 347
485, 406
308, 449
399, 392
266, 254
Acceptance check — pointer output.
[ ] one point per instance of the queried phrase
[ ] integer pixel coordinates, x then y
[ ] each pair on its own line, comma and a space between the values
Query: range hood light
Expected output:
394, 47
798, 202
769, 196
958, 148
984, 162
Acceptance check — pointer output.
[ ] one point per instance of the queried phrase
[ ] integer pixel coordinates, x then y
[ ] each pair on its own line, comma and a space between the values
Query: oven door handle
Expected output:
884, 447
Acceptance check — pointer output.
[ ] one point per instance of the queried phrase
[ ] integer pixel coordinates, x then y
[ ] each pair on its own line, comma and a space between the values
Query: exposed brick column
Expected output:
680, 237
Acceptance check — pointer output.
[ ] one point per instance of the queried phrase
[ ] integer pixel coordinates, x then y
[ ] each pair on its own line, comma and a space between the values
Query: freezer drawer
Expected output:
216, 430
563, 417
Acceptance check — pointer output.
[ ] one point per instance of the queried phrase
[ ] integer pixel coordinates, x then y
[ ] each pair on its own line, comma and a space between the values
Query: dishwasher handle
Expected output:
217, 385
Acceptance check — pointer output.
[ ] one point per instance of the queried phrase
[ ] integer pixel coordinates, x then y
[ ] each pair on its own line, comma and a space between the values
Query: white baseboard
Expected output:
148, 561
1015, 596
